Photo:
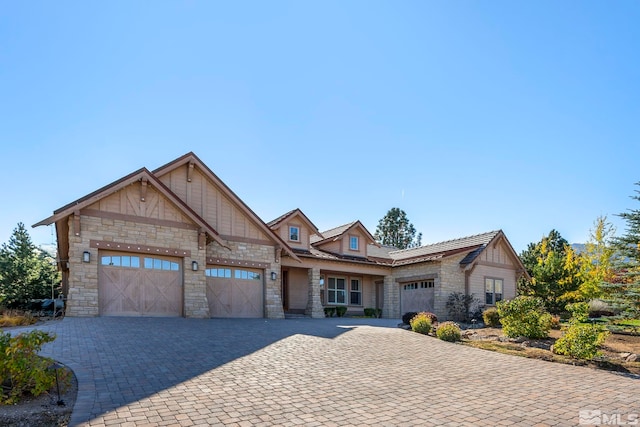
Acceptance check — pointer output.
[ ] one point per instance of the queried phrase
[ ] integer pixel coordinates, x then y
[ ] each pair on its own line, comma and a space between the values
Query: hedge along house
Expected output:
178, 242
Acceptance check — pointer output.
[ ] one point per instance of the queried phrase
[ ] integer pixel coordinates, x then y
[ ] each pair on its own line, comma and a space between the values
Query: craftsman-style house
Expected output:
177, 241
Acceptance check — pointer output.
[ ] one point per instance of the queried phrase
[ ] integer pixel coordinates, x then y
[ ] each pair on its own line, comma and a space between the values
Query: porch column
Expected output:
314, 305
273, 301
391, 298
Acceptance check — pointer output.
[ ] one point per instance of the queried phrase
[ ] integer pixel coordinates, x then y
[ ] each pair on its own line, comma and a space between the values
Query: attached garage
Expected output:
235, 292
135, 285
417, 296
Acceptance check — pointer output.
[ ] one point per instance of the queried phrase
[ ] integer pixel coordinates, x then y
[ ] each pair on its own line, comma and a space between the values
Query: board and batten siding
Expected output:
210, 202
127, 202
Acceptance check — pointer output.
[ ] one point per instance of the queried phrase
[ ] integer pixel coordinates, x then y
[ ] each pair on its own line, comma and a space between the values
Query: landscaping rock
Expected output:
632, 358
625, 355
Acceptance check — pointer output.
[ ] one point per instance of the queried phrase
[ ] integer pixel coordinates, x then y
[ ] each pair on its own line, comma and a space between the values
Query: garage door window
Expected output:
224, 273
121, 261
246, 274
160, 264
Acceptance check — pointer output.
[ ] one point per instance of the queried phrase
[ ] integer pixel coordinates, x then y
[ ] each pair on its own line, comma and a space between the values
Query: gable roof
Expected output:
137, 176
475, 244
191, 157
338, 232
295, 212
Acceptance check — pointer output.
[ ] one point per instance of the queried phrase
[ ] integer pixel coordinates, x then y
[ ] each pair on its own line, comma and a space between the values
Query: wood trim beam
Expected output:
236, 262
143, 220
495, 264
130, 247
247, 240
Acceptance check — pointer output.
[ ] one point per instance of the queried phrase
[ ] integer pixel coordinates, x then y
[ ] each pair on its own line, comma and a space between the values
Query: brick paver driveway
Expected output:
143, 371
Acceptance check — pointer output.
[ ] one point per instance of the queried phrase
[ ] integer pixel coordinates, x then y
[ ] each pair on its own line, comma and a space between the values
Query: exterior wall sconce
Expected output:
86, 256
274, 276
194, 265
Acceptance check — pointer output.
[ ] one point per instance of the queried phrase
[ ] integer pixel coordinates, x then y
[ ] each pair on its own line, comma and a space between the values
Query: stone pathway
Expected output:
317, 372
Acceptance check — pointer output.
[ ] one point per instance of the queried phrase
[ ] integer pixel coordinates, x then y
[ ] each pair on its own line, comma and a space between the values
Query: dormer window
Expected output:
294, 233
353, 243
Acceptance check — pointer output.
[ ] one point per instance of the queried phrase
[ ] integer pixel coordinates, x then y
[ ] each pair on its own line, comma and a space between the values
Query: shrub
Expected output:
448, 331
579, 311
421, 323
524, 316
430, 315
581, 341
16, 318
329, 311
491, 317
462, 307
406, 318
21, 369
341, 310
373, 312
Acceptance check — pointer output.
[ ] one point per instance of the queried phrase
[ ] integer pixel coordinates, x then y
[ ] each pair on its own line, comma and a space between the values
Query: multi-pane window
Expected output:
246, 274
218, 272
121, 261
294, 233
160, 264
355, 293
353, 243
336, 290
134, 262
425, 284
493, 290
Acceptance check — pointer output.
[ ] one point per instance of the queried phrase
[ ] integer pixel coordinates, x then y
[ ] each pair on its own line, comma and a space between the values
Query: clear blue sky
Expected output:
470, 116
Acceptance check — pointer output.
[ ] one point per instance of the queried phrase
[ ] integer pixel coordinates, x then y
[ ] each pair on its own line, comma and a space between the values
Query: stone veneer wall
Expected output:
83, 297
451, 280
258, 253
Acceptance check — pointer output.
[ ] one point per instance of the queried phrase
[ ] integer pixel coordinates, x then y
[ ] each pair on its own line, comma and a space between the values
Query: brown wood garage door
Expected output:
135, 285
234, 292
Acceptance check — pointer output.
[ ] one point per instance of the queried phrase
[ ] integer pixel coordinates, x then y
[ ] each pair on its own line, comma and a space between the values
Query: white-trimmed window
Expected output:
492, 290
336, 290
353, 243
355, 292
294, 233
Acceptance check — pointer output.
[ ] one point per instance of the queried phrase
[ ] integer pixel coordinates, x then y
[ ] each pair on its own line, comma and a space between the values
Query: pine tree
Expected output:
624, 290
26, 272
553, 268
396, 230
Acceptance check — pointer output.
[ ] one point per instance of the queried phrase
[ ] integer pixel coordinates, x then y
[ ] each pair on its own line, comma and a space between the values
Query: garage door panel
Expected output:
417, 300
161, 293
219, 297
120, 292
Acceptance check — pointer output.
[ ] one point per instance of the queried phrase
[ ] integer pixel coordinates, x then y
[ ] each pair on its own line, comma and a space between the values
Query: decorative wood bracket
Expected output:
190, 171
202, 240
143, 189
76, 223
